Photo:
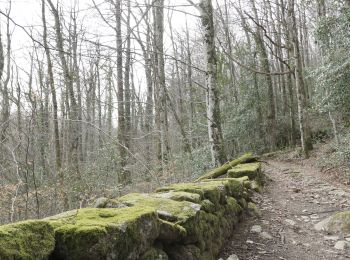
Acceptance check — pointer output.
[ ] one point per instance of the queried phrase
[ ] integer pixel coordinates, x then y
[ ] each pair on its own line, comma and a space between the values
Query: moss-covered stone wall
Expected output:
180, 221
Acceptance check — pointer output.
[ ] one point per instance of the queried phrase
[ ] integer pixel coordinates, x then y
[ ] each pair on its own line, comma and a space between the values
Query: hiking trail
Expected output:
296, 197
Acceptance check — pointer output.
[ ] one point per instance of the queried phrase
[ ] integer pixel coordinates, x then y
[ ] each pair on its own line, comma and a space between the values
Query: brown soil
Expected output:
299, 194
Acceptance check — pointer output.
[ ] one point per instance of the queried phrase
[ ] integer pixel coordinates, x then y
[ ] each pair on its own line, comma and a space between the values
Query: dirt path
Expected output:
296, 198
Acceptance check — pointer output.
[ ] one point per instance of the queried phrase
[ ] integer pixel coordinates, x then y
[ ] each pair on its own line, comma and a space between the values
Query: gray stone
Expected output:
305, 218
341, 245
339, 223
256, 229
322, 225
100, 202
333, 238
266, 235
233, 257
339, 193
290, 222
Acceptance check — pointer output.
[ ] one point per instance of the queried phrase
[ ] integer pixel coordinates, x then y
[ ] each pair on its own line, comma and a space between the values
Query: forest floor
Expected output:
296, 197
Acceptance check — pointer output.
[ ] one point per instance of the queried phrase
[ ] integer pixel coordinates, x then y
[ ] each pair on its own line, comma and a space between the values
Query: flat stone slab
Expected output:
252, 170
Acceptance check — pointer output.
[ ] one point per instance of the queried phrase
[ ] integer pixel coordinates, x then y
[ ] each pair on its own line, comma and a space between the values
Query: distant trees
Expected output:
127, 95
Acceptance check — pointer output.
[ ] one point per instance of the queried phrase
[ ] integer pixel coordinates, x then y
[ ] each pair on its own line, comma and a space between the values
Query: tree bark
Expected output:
305, 136
213, 105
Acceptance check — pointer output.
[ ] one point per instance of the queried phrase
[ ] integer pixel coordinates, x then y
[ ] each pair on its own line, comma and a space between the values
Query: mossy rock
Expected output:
243, 203
339, 223
181, 252
154, 254
252, 170
233, 208
233, 187
208, 206
256, 186
104, 233
253, 210
27, 240
167, 209
180, 218
214, 190
180, 196
171, 232
221, 170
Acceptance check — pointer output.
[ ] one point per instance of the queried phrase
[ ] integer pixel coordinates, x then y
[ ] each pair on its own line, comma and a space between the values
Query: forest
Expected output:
106, 97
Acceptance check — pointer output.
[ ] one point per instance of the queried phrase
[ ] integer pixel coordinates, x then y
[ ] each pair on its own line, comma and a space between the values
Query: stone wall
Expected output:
180, 221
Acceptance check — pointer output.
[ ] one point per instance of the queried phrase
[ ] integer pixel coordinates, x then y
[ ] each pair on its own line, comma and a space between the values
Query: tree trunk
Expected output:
305, 136
213, 105
55, 110
68, 80
264, 60
163, 109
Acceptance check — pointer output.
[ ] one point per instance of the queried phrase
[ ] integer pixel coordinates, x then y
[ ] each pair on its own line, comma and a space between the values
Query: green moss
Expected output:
208, 206
232, 207
241, 179
252, 170
214, 190
26, 240
206, 190
104, 233
243, 203
170, 232
339, 222
233, 187
214, 173
253, 210
255, 185
167, 209
180, 196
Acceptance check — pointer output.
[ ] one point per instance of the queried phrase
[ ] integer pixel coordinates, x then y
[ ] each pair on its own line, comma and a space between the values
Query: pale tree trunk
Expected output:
178, 115
127, 99
2, 57
262, 130
162, 102
321, 8
213, 105
305, 136
347, 3
123, 177
225, 23
264, 60
146, 52
190, 88
74, 36
68, 80
51, 82
5, 113
109, 99
289, 79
